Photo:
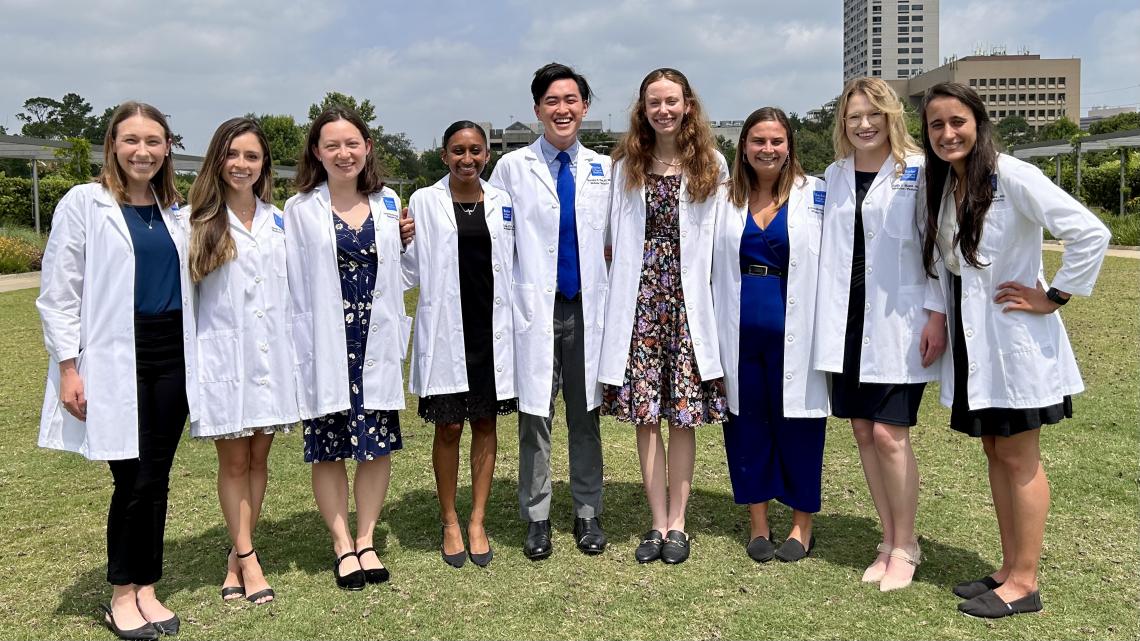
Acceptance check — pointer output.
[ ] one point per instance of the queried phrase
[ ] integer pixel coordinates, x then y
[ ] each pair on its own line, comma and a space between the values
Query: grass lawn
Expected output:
55, 504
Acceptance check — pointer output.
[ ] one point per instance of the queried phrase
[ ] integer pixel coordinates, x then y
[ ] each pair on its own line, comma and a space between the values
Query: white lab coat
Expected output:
1021, 359
526, 178
318, 309
245, 344
87, 303
897, 288
804, 389
439, 362
627, 233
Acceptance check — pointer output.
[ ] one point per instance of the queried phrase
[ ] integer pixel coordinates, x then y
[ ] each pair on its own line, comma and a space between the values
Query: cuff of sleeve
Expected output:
1072, 288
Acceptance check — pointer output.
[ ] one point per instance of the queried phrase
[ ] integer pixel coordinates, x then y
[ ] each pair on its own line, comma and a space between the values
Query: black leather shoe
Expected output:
676, 547
971, 589
353, 580
168, 627
374, 575
989, 605
650, 548
792, 550
589, 535
144, 631
538, 545
760, 549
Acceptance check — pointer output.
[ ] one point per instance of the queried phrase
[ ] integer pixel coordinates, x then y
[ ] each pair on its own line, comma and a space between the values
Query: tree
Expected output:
364, 108
75, 161
73, 116
96, 129
727, 148
1119, 122
1014, 130
38, 117
285, 137
1060, 129
400, 158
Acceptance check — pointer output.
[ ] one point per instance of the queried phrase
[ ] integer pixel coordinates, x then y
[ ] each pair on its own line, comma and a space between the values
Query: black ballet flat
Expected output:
971, 589
354, 580
760, 549
168, 627
375, 575
144, 631
989, 605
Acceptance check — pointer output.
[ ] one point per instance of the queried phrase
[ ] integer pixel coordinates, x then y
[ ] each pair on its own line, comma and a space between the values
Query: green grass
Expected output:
54, 508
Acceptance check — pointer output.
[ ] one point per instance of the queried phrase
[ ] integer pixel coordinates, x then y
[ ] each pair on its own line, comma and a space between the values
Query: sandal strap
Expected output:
903, 554
345, 556
883, 548
251, 552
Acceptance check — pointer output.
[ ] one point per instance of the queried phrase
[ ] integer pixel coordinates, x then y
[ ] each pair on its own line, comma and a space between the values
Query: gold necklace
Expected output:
675, 163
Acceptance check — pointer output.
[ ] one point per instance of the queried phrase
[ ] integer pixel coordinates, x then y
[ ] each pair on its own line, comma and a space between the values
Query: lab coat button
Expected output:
259, 313
264, 347
257, 279
549, 290
498, 300
870, 234
791, 300
369, 362
498, 335
550, 249
970, 333
499, 368
794, 262
787, 376
869, 270
790, 338
498, 267
866, 340
973, 367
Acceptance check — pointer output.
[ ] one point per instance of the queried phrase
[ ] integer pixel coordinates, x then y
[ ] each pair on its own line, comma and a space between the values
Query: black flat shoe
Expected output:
590, 537
454, 560
760, 549
971, 589
482, 560
375, 575
170, 626
792, 550
538, 545
650, 548
989, 605
676, 547
353, 580
144, 631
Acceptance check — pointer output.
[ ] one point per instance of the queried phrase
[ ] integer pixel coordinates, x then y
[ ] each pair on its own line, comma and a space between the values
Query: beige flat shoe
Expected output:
872, 575
911, 556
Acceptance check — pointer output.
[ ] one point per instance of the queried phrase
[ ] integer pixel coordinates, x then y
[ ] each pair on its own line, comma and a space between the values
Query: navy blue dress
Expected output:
769, 456
357, 433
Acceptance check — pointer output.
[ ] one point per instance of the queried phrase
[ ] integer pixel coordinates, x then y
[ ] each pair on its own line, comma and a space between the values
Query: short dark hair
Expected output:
460, 125
550, 73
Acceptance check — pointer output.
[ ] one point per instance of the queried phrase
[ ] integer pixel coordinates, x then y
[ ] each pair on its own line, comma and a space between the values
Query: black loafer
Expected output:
170, 626
589, 535
971, 589
989, 605
650, 548
676, 547
760, 549
538, 545
792, 550
144, 631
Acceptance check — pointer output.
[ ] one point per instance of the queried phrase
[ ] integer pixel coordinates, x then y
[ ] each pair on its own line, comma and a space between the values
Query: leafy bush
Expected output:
16, 205
18, 255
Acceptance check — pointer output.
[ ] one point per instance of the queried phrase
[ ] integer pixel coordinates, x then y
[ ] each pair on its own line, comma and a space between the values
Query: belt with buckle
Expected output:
566, 299
761, 270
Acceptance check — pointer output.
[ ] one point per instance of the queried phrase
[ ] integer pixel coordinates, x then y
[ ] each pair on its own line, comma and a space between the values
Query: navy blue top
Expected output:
768, 246
158, 286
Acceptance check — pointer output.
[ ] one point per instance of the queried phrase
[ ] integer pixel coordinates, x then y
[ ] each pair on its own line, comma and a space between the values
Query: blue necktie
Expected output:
568, 280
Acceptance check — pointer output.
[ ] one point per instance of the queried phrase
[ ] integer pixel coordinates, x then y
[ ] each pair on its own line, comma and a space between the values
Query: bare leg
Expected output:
681, 459
125, 607
330, 489
1020, 455
801, 528
233, 496
370, 488
898, 473
445, 462
865, 439
758, 515
1003, 507
259, 445
484, 442
149, 605
651, 451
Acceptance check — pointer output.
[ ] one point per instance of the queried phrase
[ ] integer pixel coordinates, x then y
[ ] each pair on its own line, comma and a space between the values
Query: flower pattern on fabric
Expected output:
355, 433
661, 379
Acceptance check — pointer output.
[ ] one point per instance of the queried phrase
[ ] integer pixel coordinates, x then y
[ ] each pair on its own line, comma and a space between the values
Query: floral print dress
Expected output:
661, 379
356, 433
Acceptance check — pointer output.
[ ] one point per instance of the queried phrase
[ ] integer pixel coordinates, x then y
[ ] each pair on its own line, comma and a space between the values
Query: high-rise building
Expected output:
889, 39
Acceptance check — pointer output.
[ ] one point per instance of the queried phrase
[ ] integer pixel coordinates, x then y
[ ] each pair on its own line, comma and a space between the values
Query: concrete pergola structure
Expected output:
1120, 141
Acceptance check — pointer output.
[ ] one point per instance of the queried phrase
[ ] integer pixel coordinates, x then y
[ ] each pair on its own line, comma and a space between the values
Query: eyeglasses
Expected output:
874, 118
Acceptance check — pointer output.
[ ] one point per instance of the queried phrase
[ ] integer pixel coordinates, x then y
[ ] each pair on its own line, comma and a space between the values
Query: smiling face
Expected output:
766, 149
864, 124
561, 111
342, 150
465, 155
140, 149
243, 164
952, 131
665, 106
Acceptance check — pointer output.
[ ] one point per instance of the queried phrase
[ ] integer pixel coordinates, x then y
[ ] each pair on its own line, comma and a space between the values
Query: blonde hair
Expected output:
884, 99
744, 176
695, 141
112, 177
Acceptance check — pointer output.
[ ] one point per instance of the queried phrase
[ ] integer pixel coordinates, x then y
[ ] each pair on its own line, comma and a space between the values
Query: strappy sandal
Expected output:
260, 594
232, 590
913, 557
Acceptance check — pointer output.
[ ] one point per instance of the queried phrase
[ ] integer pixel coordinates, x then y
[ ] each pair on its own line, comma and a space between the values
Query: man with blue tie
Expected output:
561, 195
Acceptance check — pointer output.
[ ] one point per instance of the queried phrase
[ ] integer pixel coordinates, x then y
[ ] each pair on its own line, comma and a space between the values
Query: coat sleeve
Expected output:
61, 278
1085, 236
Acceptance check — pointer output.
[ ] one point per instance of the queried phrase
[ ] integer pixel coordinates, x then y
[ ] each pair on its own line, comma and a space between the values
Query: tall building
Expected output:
889, 39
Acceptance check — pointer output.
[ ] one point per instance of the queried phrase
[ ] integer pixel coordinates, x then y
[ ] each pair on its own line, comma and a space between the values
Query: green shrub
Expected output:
16, 204
1125, 229
18, 255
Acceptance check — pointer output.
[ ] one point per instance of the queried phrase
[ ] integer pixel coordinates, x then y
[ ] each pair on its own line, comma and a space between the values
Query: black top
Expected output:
476, 294
158, 285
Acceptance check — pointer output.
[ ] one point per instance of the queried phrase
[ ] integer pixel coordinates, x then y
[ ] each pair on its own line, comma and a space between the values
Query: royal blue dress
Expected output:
769, 456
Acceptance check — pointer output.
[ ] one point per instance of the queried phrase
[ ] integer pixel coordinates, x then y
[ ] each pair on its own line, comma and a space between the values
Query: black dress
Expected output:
476, 296
887, 403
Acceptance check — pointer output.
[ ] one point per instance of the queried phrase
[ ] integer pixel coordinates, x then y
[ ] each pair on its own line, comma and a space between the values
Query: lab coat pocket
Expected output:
303, 338
524, 304
901, 222
405, 334
218, 354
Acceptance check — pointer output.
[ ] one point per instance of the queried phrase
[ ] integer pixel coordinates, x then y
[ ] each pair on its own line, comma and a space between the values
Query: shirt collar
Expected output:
550, 152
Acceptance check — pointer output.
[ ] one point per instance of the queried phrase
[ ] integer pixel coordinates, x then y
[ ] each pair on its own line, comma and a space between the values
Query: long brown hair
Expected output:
310, 171
744, 176
884, 99
981, 163
112, 177
695, 141
211, 245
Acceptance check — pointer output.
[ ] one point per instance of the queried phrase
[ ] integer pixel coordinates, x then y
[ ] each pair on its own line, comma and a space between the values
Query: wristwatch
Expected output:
1054, 295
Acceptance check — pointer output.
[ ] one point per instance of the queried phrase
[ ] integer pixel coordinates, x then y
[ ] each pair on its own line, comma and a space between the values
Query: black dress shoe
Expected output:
650, 548
792, 550
144, 631
353, 580
589, 535
538, 545
971, 589
170, 626
482, 560
989, 605
375, 575
760, 549
676, 547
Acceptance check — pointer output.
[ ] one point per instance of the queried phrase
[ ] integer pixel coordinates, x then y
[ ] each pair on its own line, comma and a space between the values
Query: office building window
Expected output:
904, 18
916, 29
1052, 81
1052, 97
903, 61
973, 82
876, 29
876, 9
876, 41
993, 82
1032, 82
916, 50
916, 61
916, 7
1052, 113
1021, 81
876, 63
1060, 81
916, 38
1041, 97
904, 40
903, 73
917, 18
876, 19
1041, 81
904, 50
877, 72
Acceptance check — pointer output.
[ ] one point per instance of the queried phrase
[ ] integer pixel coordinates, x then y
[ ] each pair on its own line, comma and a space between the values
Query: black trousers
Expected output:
136, 521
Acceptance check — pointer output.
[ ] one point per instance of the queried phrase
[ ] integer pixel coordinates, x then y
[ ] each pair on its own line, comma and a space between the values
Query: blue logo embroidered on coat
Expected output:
910, 174
390, 203
820, 197
279, 221
993, 181
596, 169
507, 214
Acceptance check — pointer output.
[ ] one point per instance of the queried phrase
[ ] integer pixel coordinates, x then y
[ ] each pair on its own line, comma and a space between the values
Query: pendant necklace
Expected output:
149, 222
675, 163
466, 210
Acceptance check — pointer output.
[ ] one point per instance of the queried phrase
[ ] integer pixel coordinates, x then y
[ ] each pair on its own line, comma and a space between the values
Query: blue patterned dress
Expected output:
356, 433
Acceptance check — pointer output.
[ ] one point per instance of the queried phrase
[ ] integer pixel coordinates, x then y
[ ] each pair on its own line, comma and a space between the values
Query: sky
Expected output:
425, 64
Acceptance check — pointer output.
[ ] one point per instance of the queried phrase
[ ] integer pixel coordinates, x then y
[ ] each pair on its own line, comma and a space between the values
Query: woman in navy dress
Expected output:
764, 274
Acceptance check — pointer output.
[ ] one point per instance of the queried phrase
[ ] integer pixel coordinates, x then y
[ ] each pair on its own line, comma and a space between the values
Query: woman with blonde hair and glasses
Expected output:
880, 324
245, 353
660, 358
